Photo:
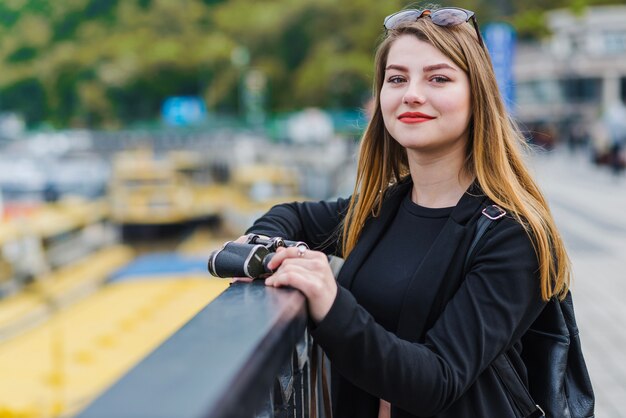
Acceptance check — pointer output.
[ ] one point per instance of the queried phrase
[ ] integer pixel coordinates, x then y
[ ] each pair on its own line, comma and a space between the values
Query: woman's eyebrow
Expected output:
436, 67
426, 69
396, 67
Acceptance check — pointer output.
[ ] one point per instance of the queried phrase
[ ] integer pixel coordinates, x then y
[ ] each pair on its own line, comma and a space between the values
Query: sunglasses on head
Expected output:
448, 16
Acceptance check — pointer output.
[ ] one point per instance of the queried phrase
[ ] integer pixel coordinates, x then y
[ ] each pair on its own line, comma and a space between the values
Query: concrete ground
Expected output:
589, 204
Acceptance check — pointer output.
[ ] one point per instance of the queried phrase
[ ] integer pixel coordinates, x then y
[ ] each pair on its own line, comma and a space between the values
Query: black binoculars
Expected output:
247, 259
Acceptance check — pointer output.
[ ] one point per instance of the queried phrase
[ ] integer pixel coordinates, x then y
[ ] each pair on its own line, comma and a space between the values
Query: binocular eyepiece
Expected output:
247, 259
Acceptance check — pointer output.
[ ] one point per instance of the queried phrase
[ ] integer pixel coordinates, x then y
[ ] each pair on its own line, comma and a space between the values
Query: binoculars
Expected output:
247, 259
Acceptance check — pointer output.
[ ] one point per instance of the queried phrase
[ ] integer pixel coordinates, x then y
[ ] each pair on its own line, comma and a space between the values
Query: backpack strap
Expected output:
511, 381
490, 214
515, 387
489, 217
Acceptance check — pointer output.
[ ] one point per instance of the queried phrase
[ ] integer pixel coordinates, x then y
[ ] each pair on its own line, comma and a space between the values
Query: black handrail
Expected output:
244, 350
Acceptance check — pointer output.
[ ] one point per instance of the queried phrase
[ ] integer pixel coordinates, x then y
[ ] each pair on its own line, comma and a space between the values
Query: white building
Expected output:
576, 73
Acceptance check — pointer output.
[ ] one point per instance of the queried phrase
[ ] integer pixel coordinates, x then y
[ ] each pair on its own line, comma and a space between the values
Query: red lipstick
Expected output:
414, 117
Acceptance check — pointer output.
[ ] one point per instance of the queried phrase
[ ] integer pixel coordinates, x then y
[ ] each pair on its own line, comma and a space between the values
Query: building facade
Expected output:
574, 75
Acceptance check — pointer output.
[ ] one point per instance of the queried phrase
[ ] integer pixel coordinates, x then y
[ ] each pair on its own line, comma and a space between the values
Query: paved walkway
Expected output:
589, 205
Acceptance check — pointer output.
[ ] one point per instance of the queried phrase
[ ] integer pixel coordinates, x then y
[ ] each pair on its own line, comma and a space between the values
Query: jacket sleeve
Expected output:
495, 304
316, 223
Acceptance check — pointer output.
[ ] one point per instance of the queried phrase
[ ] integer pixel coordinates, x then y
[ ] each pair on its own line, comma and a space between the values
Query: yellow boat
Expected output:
146, 190
56, 253
66, 330
253, 190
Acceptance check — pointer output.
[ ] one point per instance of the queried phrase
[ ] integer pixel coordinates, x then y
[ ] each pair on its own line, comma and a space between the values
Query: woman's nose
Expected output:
413, 95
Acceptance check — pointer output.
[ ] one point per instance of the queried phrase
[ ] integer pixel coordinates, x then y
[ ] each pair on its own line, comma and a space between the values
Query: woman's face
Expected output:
425, 98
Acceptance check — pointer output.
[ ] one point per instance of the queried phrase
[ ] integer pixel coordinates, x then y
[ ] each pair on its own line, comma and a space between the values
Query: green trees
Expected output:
108, 63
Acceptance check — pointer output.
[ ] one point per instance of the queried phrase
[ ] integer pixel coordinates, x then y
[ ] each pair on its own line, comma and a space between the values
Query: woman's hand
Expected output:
307, 271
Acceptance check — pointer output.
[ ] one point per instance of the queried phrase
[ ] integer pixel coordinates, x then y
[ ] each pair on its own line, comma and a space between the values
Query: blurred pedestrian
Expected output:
600, 142
438, 150
615, 121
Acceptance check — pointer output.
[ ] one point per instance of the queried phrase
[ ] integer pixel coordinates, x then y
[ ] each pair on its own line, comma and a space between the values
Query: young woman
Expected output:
438, 149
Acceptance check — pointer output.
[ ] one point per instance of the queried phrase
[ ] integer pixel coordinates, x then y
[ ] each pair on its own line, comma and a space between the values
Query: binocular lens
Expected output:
239, 260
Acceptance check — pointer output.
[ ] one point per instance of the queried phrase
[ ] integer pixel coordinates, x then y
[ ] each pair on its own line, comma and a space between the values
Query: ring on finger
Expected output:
301, 250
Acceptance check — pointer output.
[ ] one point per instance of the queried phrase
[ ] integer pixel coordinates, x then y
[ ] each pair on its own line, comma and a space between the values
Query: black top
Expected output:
384, 276
430, 366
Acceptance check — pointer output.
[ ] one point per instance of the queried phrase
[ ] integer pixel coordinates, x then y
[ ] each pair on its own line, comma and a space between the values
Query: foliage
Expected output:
107, 63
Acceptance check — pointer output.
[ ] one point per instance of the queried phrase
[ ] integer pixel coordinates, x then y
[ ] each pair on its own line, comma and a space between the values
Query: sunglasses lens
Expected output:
449, 17
396, 19
442, 17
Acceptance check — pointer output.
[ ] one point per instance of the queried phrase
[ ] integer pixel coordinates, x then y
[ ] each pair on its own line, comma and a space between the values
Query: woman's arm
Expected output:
316, 223
496, 303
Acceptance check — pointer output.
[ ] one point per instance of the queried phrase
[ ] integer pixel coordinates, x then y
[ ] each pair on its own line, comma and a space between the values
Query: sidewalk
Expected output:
589, 206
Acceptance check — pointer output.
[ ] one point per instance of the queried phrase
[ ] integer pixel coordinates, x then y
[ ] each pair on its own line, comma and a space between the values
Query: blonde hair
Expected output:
494, 154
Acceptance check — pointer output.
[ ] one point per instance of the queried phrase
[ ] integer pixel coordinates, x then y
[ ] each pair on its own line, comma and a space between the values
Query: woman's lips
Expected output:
414, 117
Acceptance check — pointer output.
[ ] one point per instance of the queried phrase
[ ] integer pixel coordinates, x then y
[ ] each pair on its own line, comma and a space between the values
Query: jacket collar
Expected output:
435, 263
376, 226
372, 231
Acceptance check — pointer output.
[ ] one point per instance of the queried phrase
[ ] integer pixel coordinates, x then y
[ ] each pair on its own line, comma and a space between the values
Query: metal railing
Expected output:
246, 354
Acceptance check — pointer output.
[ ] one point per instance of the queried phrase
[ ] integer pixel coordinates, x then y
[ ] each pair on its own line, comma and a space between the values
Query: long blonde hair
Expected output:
494, 154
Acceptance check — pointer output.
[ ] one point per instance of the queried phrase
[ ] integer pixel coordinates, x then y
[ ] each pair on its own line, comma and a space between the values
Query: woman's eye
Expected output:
440, 79
395, 79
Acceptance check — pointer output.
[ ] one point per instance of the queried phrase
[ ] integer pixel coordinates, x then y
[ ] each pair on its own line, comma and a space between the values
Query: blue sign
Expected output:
500, 41
183, 110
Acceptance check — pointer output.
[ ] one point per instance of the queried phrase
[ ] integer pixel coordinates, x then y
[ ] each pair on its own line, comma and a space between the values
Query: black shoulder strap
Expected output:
447, 289
485, 222
502, 365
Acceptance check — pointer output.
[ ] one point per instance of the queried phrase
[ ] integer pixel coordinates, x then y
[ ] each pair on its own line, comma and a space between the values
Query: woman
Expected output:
438, 149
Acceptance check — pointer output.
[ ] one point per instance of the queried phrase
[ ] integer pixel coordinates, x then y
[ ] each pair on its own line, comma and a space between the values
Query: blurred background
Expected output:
136, 136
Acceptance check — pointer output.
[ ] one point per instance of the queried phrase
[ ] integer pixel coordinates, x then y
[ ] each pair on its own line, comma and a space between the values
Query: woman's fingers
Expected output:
309, 273
304, 270
283, 253
242, 239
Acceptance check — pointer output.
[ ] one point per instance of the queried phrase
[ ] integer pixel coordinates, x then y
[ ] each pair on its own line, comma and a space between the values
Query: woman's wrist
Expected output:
319, 311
